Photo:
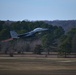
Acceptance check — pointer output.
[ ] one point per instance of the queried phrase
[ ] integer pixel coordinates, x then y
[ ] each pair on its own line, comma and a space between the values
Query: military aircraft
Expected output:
14, 34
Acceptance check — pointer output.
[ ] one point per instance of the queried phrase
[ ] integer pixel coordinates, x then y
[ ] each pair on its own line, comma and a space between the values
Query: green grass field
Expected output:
37, 66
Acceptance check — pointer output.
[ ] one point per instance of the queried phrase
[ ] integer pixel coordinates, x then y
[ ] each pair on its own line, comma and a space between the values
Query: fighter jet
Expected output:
14, 34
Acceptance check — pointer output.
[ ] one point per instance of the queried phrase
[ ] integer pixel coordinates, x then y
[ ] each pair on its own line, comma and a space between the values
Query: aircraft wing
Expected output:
27, 34
21, 35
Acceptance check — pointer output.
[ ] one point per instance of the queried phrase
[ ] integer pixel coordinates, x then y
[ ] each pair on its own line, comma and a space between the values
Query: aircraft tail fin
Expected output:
13, 34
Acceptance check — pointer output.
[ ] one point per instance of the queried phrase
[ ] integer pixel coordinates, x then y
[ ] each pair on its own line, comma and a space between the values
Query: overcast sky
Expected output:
37, 10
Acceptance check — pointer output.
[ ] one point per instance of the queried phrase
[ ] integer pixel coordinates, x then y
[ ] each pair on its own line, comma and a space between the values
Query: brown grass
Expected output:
37, 66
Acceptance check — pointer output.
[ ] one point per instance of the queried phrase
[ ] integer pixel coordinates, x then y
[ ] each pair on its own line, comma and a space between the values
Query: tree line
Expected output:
53, 40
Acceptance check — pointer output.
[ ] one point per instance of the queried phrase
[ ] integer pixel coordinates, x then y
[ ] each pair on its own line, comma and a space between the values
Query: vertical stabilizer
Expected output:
13, 34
